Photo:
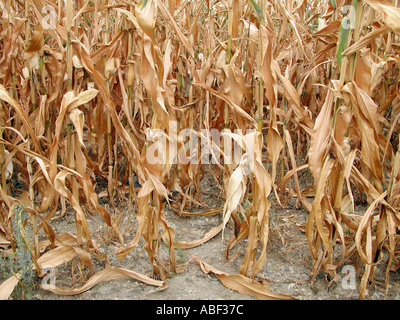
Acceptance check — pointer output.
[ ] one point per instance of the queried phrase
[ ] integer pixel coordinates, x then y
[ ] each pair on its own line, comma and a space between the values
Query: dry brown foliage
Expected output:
82, 84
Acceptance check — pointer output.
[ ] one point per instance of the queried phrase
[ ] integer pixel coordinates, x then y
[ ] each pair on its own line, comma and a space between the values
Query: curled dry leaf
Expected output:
108, 275
236, 189
242, 284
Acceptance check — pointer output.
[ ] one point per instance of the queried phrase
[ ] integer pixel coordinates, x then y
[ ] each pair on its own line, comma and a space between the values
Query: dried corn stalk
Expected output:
87, 113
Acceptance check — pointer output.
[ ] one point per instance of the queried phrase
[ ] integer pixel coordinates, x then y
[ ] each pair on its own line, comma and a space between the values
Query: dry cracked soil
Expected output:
288, 268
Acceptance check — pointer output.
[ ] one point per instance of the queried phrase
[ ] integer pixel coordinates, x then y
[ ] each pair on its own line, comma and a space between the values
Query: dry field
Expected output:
165, 141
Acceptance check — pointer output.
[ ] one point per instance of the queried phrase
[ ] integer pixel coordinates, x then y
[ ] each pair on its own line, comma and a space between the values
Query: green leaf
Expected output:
257, 8
343, 36
142, 3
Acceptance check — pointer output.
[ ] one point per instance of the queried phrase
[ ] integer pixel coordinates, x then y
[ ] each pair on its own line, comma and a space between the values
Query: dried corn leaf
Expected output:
5, 96
235, 108
208, 236
7, 287
242, 284
146, 12
236, 189
364, 41
390, 13
108, 275
171, 21
320, 138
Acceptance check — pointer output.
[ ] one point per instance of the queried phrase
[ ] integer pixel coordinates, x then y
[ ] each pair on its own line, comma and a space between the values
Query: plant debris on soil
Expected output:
224, 149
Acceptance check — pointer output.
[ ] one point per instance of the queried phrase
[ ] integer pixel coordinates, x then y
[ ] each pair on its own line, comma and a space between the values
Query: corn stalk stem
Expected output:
228, 56
2, 161
109, 137
27, 39
259, 94
69, 13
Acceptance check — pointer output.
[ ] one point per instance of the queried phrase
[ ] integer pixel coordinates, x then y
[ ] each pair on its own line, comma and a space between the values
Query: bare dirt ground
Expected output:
288, 268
